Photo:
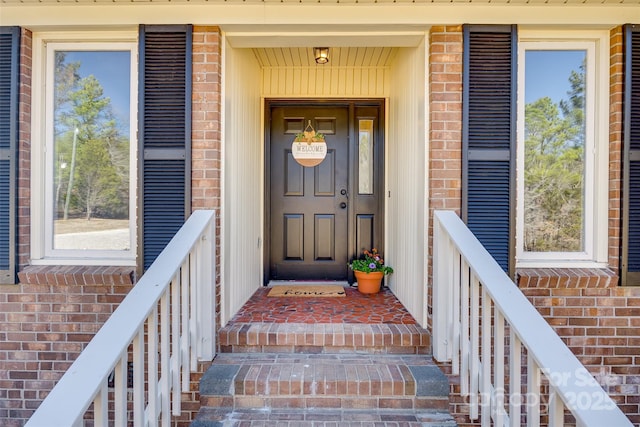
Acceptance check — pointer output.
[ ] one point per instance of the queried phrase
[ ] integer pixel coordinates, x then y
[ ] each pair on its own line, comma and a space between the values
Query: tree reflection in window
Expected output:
365, 157
554, 166
91, 168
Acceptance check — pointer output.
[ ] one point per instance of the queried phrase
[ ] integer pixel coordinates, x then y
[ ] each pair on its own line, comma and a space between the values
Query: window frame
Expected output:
42, 148
596, 181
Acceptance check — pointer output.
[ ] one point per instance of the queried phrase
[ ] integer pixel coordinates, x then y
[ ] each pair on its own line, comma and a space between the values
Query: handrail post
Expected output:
206, 301
442, 350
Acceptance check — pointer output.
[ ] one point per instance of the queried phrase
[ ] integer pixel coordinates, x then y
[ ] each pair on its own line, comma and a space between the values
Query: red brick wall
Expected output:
599, 321
206, 123
45, 322
206, 164
445, 137
205, 118
24, 150
616, 94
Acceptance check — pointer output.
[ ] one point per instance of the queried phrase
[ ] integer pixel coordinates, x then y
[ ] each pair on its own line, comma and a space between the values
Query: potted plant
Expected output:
369, 270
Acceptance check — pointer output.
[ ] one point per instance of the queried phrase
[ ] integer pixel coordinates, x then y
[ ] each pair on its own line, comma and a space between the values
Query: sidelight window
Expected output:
365, 156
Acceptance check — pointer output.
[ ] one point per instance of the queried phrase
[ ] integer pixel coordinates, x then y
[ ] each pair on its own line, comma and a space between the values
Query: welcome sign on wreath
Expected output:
309, 148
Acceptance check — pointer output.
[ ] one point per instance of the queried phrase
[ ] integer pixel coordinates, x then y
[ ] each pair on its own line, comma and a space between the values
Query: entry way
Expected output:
319, 217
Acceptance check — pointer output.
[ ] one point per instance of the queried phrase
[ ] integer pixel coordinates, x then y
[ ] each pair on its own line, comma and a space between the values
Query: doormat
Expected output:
307, 291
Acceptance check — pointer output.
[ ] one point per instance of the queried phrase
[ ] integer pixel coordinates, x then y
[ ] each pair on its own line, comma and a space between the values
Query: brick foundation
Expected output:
44, 325
599, 321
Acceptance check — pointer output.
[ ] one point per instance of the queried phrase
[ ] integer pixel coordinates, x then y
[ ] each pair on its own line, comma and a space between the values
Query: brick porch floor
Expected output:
355, 308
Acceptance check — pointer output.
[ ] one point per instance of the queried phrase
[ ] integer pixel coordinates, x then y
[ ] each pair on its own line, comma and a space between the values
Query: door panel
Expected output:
294, 237
294, 180
308, 214
365, 226
325, 238
324, 176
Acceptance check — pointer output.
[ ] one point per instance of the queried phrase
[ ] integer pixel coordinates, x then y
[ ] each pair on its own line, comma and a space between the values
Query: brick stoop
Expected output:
324, 375
324, 338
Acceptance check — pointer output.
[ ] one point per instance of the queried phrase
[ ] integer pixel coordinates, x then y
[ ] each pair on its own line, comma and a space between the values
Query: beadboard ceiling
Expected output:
338, 57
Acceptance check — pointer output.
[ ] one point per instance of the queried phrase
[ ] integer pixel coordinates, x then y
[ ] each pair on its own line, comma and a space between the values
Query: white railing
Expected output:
482, 322
166, 323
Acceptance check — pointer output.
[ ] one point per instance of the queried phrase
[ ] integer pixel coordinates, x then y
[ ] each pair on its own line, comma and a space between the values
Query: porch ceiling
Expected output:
338, 57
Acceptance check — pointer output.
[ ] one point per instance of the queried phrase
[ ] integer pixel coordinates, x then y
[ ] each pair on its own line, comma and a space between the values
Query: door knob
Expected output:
343, 192
343, 205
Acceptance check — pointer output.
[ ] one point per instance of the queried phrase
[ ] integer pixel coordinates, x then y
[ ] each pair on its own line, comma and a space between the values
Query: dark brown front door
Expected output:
309, 204
321, 216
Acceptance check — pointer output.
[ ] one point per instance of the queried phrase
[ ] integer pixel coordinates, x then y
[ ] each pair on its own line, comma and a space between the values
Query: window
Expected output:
562, 149
365, 156
83, 159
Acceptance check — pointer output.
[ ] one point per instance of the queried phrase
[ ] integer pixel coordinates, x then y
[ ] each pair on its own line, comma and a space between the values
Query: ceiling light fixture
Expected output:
321, 54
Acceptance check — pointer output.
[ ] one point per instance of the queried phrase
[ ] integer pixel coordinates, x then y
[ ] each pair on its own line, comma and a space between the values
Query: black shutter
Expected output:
631, 189
9, 85
488, 137
164, 134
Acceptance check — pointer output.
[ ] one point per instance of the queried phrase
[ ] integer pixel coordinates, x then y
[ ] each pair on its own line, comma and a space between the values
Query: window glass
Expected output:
365, 156
554, 151
91, 150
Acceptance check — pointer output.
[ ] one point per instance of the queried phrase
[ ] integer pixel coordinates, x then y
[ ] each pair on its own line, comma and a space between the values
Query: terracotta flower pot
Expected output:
369, 283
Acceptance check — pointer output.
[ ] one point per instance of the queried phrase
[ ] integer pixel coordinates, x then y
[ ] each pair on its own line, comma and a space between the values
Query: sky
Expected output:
547, 73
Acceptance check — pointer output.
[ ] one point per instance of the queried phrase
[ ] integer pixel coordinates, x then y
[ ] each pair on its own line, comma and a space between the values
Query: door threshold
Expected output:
307, 282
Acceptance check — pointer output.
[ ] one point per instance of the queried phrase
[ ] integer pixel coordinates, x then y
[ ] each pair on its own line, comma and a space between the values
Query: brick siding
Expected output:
599, 322
24, 150
43, 328
206, 164
616, 94
206, 131
445, 137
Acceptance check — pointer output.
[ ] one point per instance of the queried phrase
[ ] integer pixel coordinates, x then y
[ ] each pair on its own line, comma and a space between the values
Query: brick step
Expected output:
217, 417
323, 374
327, 381
330, 338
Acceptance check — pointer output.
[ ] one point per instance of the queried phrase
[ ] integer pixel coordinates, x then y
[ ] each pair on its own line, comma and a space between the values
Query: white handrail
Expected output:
475, 307
169, 312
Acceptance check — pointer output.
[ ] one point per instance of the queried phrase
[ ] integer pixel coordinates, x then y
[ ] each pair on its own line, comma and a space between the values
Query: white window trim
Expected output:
42, 252
596, 149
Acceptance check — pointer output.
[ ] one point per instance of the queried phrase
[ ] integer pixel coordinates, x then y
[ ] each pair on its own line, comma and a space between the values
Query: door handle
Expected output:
343, 192
343, 205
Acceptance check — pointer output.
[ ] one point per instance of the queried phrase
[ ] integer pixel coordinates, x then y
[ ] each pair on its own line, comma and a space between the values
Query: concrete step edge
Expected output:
215, 417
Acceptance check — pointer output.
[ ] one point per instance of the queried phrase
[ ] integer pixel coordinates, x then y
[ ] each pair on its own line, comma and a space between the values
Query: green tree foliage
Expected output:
97, 171
554, 171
